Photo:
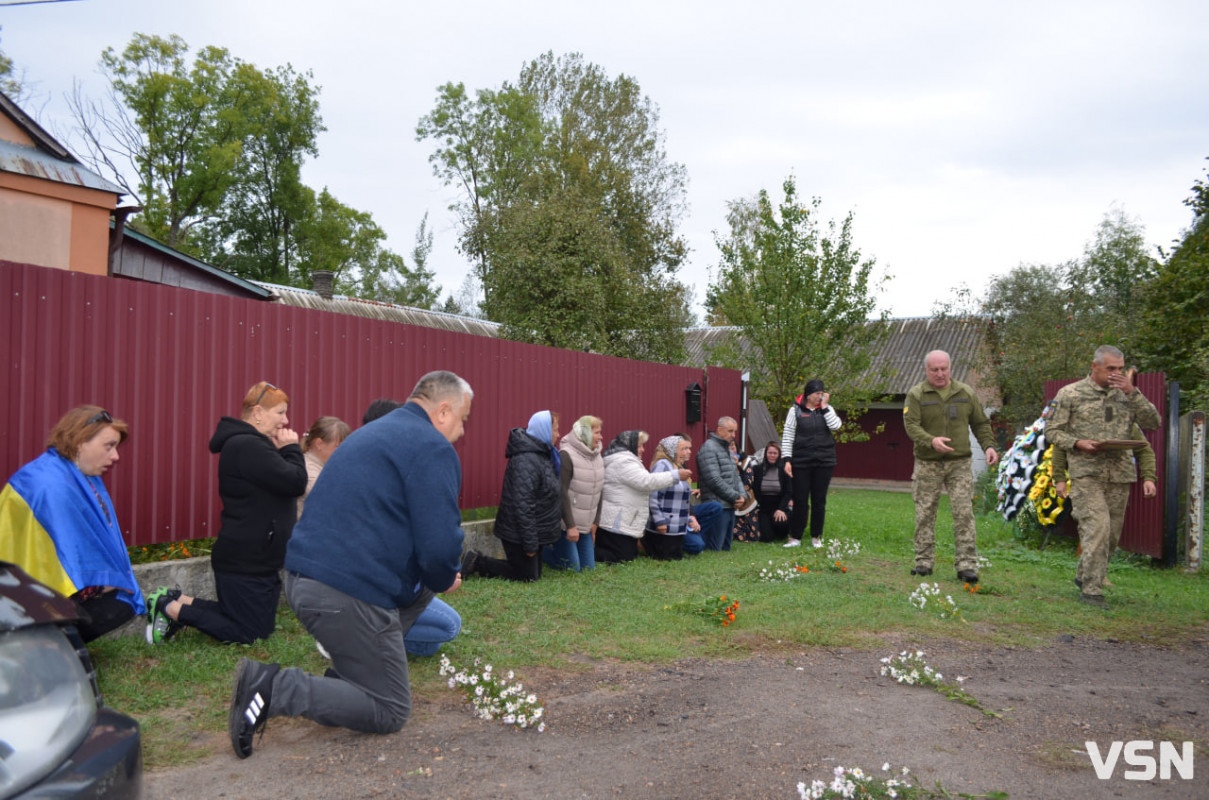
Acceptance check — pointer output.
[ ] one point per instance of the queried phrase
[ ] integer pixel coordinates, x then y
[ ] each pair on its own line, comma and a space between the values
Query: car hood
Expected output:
24, 601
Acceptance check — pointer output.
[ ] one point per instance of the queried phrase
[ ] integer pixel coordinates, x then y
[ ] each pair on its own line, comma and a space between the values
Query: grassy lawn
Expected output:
642, 612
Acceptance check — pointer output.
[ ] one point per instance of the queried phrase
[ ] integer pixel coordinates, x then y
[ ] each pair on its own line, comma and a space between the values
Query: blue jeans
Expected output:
437, 624
707, 516
577, 555
718, 535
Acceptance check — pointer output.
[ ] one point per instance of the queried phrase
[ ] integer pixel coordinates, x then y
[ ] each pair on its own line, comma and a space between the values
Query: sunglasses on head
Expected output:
267, 386
100, 416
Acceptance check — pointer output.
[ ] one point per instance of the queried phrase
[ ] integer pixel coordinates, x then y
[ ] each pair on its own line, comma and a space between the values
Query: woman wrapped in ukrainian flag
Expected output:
58, 523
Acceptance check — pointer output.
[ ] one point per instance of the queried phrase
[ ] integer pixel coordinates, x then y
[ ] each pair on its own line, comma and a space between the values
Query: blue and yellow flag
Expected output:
60, 526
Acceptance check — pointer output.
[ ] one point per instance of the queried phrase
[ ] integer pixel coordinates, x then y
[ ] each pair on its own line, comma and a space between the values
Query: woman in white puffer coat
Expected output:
624, 505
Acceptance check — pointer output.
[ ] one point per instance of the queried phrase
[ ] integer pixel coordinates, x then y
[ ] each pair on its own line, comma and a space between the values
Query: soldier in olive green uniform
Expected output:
1104, 405
938, 415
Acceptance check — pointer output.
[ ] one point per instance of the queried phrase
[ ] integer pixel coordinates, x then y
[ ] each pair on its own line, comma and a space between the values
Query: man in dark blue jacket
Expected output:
380, 534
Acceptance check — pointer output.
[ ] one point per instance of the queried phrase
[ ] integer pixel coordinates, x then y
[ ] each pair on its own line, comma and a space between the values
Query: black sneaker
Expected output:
922, 572
250, 698
967, 576
1096, 600
470, 562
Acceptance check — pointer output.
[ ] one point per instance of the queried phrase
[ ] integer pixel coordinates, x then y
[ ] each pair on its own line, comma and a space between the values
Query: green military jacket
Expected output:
1148, 465
1088, 411
927, 415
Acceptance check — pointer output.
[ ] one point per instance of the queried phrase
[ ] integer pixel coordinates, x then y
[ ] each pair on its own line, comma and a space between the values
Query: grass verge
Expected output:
641, 612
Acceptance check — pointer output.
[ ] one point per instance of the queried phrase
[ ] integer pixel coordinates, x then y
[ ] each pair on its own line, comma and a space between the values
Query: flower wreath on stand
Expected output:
1026, 475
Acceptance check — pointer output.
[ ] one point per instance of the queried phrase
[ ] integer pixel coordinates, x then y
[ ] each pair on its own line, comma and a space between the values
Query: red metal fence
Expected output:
172, 361
1143, 532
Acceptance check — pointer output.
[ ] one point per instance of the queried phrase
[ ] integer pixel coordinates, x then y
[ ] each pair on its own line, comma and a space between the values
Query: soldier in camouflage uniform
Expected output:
938, 415
1104, 405
1148, 467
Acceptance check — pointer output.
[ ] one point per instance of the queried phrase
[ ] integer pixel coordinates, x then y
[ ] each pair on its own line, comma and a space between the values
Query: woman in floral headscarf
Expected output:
672, 530
627, 489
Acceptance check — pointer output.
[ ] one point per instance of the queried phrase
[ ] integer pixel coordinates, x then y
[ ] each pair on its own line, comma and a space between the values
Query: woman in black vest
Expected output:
809, 447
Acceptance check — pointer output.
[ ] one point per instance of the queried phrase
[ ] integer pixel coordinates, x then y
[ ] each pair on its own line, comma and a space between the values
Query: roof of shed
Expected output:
900, 357
372, 309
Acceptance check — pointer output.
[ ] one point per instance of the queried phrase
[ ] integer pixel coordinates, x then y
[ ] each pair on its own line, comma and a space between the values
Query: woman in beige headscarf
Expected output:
582, 477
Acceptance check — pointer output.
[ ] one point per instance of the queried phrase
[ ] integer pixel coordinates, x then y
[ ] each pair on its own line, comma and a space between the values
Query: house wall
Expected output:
54, 225
171, 361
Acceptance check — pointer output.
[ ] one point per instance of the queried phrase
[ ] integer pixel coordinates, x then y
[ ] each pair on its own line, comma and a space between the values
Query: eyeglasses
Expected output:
100, 416
267, 386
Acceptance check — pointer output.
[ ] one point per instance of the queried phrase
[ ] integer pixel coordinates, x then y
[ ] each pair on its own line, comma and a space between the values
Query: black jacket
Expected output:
786, 493
259, 486
530, 512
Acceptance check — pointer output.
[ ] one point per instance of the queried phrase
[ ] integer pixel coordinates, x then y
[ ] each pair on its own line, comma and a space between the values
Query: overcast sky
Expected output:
966, 137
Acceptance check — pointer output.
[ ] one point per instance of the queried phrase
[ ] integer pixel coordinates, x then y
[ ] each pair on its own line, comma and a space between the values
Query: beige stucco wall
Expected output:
49, 224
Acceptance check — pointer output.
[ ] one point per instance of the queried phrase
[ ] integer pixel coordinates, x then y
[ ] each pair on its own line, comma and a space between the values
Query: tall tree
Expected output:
803, 296
1172, 334
1047, 319
569, 207
254, 231
180, 127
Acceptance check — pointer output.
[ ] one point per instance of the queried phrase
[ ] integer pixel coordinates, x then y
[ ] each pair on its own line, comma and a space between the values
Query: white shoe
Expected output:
816, 543
793, 543
322, 652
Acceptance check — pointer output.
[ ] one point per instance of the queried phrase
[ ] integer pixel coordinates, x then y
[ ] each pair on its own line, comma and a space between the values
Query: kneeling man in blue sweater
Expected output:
381, 533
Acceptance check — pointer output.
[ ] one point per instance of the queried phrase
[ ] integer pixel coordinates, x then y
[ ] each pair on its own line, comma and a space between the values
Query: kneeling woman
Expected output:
627, 491
671, 531
58, 524
261, 475
530, 512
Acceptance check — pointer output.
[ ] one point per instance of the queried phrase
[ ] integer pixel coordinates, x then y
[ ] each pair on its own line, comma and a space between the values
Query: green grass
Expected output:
640, 613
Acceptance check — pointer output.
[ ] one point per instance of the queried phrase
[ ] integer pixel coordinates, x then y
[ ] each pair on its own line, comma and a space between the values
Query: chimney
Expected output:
321, 280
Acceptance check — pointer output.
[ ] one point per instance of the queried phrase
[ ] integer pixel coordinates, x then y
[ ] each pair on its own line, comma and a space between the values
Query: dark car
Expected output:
57, 738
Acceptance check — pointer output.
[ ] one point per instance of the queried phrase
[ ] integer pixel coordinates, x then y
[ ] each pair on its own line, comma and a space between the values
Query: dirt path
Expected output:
753, 729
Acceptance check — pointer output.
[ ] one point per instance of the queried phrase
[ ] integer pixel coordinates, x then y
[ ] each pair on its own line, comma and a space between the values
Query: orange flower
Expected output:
723, 598
843, 569
725, 622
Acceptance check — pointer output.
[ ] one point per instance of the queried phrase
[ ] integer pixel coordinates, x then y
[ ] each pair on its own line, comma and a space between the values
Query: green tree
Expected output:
803, 297
254, 231
569, 207
1172, 334
1046, 321
349, 243
390, 280
181, 128
11, 82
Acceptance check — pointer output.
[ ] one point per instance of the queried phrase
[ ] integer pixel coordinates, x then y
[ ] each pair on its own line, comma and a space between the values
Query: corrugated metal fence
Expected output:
1143, 532
172, 361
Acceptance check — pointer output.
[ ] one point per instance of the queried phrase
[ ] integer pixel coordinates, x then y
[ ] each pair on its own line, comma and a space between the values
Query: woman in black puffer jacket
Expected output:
530, 512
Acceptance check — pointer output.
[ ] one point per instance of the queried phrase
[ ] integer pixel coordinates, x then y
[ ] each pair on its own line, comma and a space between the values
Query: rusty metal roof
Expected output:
48, 159
900, 358
372, 309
